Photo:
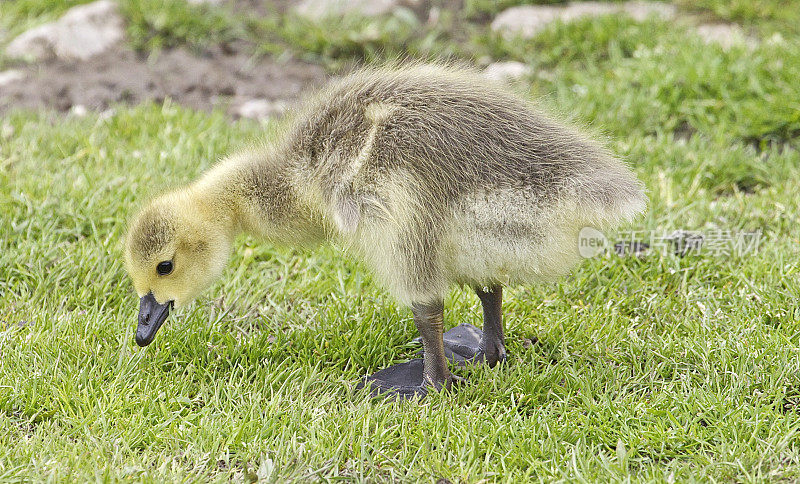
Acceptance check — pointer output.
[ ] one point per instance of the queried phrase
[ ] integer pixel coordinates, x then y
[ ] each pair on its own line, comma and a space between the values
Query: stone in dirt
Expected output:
528, 20
259, 109
82, 32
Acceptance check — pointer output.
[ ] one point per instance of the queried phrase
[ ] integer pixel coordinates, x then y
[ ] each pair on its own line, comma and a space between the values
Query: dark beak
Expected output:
151, 317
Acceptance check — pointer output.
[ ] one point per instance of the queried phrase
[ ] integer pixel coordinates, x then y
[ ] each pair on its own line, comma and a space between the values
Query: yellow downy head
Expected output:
174, 250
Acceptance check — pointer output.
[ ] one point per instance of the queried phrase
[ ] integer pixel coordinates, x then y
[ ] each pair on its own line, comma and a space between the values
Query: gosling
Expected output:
431, 175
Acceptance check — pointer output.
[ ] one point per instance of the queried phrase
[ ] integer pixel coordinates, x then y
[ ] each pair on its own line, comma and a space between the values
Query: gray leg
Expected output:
493, 347
461, 344
465, 343
429, 321
418, 376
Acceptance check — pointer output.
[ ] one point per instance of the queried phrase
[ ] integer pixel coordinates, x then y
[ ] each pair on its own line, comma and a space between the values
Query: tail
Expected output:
610, 197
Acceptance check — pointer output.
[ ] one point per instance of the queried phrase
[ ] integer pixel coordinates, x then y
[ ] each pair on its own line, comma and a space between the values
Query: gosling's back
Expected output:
451, 130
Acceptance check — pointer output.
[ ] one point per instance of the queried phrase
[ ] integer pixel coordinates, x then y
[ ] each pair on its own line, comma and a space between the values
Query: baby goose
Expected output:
430, 174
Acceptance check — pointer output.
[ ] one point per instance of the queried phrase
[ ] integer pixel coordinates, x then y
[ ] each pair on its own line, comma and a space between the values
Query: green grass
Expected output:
158, 24
658, 368
762, 15
19, 15
335, 42
483, 10
151, 24
339, 42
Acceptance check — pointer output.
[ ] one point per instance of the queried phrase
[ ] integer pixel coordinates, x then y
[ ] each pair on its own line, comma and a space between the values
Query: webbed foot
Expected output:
462, 345
403, 381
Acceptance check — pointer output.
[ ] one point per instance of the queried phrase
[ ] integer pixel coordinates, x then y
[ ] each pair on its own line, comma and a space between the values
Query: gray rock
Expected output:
640, 11
259, 109
528, 20
78, 110
318, 9
11, 75
82, 32
726, 35
506, 71
6, 131
776, 39
576, 10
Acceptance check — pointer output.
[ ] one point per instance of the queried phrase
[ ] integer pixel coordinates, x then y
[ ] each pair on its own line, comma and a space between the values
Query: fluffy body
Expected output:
431, 175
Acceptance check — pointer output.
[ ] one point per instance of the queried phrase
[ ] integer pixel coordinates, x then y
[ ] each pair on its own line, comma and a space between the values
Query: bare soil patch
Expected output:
219, 77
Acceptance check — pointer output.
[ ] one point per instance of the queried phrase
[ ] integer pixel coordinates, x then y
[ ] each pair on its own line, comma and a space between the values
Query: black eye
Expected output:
164, 268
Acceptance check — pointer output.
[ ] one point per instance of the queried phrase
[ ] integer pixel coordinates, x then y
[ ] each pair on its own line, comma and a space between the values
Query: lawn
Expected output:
653, 368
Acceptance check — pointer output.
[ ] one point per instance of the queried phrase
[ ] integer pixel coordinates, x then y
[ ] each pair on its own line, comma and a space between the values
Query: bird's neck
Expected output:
253, 193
